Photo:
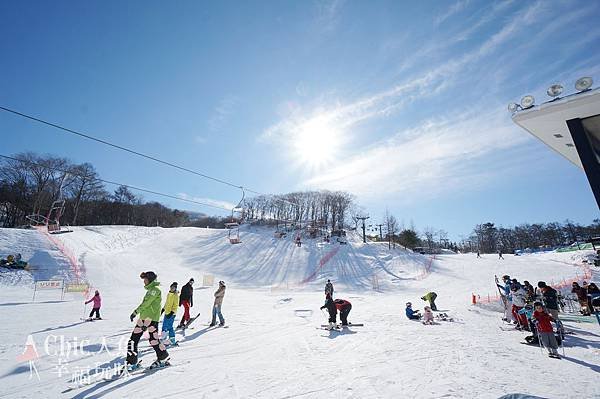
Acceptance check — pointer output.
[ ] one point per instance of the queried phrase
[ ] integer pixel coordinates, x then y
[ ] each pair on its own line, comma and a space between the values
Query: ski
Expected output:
349, 325
190, 321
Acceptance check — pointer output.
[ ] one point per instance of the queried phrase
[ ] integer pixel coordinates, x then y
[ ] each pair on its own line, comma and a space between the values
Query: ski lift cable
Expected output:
140, 154
116, 183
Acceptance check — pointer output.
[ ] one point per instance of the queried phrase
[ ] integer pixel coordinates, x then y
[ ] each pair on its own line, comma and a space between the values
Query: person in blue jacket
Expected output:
412, 314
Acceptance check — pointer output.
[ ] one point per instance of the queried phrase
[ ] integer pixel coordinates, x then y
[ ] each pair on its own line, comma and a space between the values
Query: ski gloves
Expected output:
132, 316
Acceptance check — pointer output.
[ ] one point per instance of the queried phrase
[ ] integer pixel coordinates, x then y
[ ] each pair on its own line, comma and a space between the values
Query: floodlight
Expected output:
513, 107
584, 83
527, 101
554, 90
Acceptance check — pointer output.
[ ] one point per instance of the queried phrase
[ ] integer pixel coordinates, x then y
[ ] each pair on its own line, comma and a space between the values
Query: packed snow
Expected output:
274, 347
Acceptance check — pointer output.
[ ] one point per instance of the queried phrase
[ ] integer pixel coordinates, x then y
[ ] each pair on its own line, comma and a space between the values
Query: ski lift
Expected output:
234, 227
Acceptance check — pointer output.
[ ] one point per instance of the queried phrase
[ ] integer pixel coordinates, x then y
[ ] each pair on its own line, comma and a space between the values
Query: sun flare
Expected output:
317, 143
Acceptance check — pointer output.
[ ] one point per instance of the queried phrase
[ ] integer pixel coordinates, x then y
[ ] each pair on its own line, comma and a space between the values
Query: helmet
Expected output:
151, 276
408, 304
221, 282
506, 277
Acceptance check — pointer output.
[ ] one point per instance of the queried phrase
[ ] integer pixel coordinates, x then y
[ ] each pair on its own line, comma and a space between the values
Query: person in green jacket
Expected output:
430, 297
149, 315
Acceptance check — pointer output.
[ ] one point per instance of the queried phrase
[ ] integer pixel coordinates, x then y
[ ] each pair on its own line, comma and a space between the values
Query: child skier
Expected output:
545, 330
170, 310
527, 311
149, 315
186, 299
219, 295
506, 295
430, 297
96, 307
427, 315
332, 309
412, 314
344, 307
550, 298
518, 295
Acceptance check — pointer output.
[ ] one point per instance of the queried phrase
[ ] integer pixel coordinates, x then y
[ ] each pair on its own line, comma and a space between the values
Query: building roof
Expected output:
548, 121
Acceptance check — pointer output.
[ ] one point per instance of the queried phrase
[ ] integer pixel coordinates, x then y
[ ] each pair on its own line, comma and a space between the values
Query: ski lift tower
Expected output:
570, 125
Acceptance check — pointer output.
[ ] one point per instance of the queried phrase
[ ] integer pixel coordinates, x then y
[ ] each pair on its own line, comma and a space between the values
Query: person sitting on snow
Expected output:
412, 314
430, 297
427, 315
332, 309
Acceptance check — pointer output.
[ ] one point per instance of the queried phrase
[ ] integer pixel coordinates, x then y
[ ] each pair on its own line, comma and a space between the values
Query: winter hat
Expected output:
151, 276
173, 285
541, 284
408, 304
222, 283
191, 280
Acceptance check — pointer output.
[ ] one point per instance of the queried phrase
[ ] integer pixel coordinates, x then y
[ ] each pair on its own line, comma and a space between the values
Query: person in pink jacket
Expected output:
97, 304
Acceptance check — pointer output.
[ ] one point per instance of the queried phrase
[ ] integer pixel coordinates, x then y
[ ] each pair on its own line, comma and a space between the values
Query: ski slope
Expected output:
269, 351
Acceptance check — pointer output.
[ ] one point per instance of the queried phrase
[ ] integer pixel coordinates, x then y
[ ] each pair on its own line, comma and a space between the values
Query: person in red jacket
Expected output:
344, 307
545, 330
96, 307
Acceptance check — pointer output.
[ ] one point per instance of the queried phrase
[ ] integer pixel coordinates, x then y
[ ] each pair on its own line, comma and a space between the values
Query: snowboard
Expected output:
349, 325
190, 321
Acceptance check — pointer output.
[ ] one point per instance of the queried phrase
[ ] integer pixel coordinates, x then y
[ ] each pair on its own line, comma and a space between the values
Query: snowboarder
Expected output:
170, 310
149, 315
545, 330
186, 299
427, 315
581, 297
332, 309
430, 297
219, 295
550, 299
344, 307
410, 313
96, 307
329, 288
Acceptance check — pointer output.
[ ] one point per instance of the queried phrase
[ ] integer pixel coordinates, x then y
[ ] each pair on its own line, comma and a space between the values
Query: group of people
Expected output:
534, 309
13, 262
335, 305
427, 316
151, 308
586, 295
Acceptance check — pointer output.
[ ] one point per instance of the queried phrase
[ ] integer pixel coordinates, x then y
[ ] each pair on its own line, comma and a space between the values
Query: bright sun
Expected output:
316, 143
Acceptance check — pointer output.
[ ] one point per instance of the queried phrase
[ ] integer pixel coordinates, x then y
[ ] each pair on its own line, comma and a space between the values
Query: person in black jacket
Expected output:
186, 299
332, 309
550, 298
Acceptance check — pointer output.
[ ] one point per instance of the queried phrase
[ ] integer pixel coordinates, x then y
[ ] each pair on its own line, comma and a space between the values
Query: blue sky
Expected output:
401, 103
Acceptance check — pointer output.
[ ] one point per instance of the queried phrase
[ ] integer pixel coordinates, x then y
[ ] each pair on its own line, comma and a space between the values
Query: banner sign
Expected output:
49, 285
208, 280
77, 287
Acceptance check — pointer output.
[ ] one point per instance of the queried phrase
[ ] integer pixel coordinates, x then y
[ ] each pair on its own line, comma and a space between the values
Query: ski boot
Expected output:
212, 324
331, 325
173, 342
159, 364
133, 367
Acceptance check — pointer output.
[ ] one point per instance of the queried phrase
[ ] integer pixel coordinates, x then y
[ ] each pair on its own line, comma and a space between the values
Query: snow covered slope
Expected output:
269, 351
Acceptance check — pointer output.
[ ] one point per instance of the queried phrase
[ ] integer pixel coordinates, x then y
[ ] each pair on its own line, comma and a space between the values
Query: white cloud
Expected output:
210, 201
453, 9
221, 113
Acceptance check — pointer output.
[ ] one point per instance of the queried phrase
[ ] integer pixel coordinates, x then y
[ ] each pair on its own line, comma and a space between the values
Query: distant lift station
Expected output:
570, 125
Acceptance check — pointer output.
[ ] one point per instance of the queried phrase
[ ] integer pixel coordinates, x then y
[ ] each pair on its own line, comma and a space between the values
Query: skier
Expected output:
329, 288
478, 255
518, 295
527, 311
186, 299
332, 309
298, 242
550, 299
219, 295
545, 330
506, 294
410, 313
581, 298
96, 307
500, 255
344, 307
170, 310
149, 315
427, 315
430, 297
